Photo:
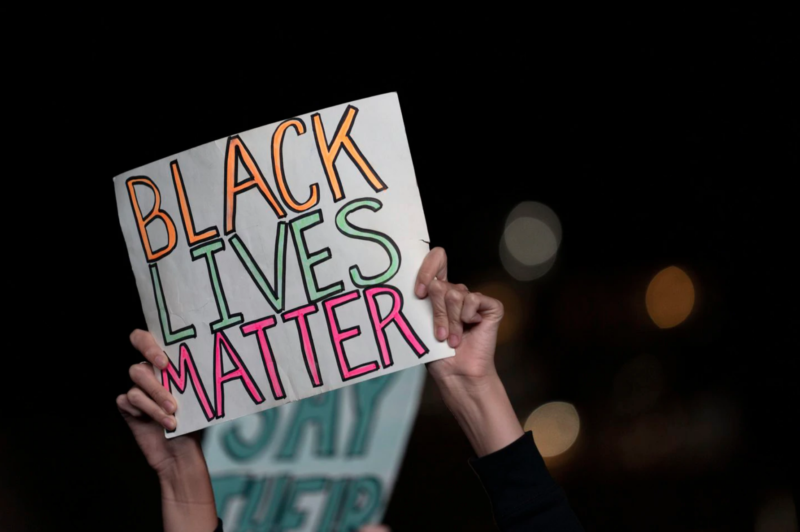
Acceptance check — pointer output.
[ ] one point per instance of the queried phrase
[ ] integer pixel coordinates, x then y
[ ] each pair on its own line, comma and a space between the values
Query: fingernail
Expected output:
453, 340
169, 407
169, 423
420, 291
441, 334
161, 362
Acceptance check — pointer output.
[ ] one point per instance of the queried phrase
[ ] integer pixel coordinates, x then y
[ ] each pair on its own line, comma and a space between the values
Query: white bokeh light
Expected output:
530, 240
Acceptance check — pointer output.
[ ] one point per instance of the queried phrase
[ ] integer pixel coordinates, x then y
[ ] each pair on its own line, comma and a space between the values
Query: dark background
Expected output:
655, 147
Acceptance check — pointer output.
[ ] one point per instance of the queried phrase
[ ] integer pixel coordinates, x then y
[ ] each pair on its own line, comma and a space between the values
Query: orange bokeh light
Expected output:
670, 297
555, 427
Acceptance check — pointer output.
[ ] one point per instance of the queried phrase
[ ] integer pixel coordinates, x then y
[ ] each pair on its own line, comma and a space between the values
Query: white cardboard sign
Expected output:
279, 263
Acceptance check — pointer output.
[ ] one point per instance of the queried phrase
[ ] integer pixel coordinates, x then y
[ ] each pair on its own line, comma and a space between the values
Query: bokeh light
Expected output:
777, 514
555, 427
514, 311
530, 241
670, 297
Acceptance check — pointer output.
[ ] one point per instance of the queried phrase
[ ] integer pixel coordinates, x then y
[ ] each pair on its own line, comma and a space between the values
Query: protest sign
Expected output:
279, 263
325, 463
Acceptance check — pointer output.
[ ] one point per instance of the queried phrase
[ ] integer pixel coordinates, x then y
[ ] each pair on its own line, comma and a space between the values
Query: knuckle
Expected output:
437, 288
462, 287
454, 296
162, 394
135, 372
136, 397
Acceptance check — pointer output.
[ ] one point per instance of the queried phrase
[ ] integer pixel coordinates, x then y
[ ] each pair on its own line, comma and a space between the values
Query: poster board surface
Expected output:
279, 263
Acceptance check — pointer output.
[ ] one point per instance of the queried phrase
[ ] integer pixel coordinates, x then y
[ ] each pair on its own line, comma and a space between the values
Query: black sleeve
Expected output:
219, 525
523, 494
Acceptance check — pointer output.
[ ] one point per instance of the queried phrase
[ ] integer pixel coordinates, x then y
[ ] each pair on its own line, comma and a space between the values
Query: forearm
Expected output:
187, 499
522, 493
483, 411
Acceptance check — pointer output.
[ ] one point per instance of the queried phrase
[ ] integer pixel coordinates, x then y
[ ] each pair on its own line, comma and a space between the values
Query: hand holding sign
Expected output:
469, 382
187, 497
148, 407
467, 320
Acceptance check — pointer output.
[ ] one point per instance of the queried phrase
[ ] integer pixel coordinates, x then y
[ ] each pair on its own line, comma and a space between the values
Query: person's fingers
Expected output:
143, 377
462, 287
143, 402
469, 312
438, 290
454, 300
125, 406
144, 342
434, 266
490, 308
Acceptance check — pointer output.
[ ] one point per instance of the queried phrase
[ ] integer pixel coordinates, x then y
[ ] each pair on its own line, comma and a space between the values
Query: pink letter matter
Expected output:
186, 363
396, 316
339, 336
259, 327
299, 314
239, 373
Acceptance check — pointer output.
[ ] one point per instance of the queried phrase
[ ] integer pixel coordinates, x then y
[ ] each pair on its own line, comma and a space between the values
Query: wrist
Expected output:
186, 479
483, 410
457, 389
187, 498
184, 460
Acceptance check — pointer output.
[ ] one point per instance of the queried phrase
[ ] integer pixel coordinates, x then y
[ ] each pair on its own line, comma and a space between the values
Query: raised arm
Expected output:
522, 493
187, 499
469, 383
